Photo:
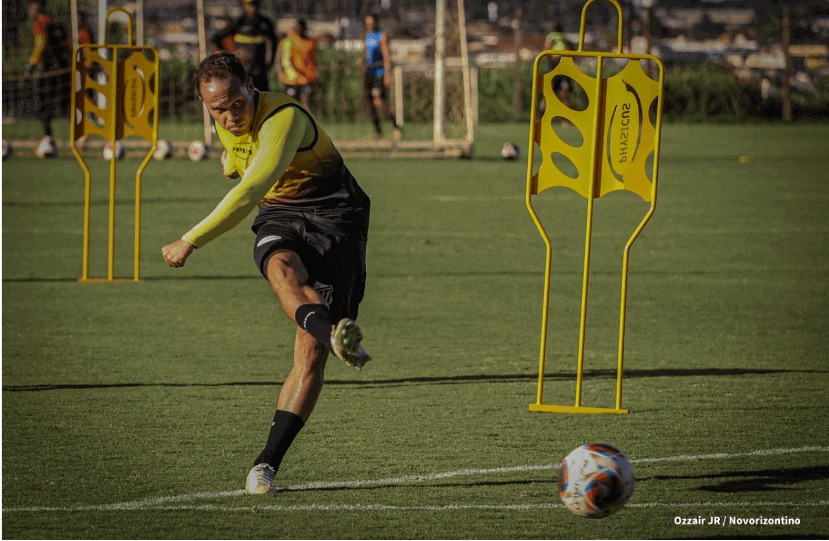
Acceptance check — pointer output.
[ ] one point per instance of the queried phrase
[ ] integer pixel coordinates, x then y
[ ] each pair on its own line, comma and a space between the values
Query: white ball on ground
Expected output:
47, 148
163, 150
198, 151
595, 480
510, 151
119, 151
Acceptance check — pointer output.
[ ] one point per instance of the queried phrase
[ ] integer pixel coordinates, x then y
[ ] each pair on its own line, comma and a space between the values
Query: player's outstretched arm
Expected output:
280, 137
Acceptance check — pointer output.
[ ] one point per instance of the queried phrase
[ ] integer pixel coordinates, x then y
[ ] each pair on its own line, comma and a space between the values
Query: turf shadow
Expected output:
753, 481
421, 484
430, 380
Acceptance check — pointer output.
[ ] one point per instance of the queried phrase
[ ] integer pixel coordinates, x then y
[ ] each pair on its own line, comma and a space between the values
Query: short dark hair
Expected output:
41, 5
220, 66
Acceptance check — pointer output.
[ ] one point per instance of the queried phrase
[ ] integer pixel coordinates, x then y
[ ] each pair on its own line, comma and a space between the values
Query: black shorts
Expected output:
336, 265
374, 87
54, 94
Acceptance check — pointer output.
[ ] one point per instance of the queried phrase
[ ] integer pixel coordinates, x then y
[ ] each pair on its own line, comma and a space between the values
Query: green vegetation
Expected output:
704, 92
157, 395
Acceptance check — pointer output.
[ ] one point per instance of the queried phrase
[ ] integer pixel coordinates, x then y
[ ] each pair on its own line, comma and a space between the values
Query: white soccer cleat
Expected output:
260, 480
345, 343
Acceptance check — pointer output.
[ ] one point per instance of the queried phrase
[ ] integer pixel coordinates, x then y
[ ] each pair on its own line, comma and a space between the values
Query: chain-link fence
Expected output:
171, 27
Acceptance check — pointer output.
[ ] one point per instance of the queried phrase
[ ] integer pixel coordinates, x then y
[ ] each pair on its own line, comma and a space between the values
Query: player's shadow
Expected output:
753, 481
567, 376
434, 380
776, 537
424, 484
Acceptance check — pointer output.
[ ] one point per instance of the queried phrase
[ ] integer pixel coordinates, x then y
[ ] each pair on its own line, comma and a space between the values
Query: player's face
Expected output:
371, 24
230, 103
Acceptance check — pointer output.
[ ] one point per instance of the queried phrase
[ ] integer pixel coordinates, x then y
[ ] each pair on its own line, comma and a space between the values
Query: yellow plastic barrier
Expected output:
623, 140
130, 107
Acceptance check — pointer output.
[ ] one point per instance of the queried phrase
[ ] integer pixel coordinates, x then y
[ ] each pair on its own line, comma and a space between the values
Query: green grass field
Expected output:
134, 410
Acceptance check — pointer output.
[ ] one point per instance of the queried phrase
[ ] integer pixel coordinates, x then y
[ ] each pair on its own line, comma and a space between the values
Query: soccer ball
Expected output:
46, 148
595, 480
197, 151
510, 151
7, 149
119, 151
163, 150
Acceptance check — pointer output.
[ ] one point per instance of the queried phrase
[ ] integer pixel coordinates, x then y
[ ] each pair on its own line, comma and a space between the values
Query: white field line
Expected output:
164, 501
456, 507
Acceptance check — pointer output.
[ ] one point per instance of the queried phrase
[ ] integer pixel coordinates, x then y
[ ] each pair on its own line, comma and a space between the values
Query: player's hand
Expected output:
228, 174
387, 79
176, 253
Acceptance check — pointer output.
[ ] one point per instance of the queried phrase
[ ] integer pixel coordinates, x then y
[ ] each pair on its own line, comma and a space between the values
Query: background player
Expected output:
378, 76
311, 232
52, 51
297, 64
556, 41
254, 42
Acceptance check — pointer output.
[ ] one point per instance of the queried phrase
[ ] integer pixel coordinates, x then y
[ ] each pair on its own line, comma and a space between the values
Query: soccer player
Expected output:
85, 37
254, 42
557, 41
52, 51
311, 231
297, 64
378, 75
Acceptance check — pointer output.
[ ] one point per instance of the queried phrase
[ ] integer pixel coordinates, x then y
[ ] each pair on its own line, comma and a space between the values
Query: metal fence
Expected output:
170, 26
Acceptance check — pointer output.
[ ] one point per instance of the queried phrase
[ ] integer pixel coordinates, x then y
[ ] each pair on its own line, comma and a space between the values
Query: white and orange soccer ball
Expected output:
163, 150
46, 148
197, 151
595, 480
119, 151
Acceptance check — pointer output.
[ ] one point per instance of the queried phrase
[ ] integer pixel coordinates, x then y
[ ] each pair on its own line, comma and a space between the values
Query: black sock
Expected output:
315, 319
375, 117
284, 429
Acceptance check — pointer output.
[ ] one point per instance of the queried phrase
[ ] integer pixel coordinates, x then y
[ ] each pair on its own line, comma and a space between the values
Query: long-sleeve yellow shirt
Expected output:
286, 162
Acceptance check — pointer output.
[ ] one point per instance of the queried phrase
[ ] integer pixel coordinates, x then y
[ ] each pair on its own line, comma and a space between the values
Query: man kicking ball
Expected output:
311, 232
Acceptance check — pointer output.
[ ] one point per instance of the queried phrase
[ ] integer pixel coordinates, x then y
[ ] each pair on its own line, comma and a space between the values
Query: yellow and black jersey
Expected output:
250, 42
317, 166
290, 168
